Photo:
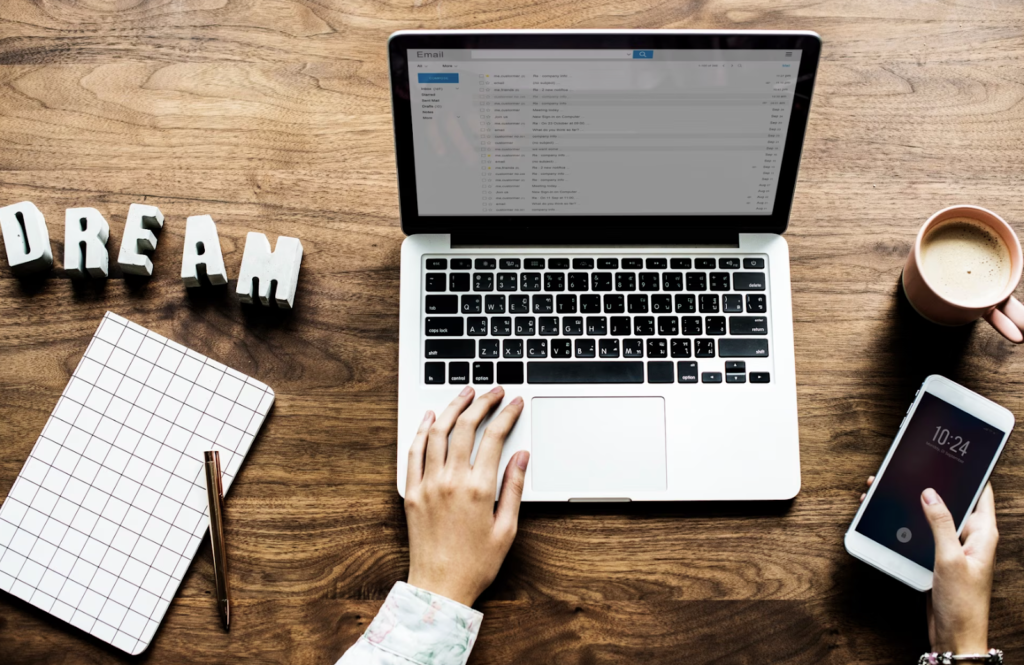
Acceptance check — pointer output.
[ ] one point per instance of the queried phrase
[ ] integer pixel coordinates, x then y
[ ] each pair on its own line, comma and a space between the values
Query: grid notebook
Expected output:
105, 517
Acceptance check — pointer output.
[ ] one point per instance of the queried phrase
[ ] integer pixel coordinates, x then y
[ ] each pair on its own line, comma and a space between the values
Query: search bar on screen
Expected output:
554, 54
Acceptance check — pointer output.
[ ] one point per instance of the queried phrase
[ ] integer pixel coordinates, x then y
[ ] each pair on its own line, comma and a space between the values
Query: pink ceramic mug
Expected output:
1005, 313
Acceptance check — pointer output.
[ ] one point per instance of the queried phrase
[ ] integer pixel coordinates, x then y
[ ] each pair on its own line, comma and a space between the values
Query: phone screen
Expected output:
944, 448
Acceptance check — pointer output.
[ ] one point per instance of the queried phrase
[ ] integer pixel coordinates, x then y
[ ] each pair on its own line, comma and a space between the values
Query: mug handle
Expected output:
1008, 319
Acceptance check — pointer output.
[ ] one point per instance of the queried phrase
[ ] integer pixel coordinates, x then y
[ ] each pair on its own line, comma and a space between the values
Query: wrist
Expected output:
440, 588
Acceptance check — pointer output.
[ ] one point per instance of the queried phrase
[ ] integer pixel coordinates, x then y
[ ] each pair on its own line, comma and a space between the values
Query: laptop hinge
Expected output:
589, 238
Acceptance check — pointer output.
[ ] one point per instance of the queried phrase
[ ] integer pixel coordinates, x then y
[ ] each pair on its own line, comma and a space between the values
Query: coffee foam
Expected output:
966, 262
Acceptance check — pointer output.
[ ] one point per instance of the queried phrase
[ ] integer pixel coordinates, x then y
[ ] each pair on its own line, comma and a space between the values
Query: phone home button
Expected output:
904, 535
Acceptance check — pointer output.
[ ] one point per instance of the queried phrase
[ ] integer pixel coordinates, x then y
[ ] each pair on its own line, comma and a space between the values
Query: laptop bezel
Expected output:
641, 227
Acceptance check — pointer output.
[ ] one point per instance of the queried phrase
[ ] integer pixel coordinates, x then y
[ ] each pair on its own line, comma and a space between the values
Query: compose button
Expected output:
643, 54
452, 77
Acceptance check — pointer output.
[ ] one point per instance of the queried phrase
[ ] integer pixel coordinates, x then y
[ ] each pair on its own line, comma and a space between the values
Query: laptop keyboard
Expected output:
586, 320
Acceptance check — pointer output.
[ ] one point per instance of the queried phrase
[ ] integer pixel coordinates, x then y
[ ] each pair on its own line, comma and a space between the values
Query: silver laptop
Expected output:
594, 222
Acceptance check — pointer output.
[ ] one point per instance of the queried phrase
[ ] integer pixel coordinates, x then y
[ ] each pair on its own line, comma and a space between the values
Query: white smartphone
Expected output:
950, 441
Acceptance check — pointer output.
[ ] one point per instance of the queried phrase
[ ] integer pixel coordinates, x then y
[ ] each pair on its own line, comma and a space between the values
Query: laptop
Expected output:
594, 221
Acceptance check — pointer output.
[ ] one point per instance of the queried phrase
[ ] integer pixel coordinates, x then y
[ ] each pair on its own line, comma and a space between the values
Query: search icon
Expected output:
643, 54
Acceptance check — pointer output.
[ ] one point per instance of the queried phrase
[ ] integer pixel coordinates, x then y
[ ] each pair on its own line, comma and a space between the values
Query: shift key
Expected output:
741, 348
450, 348
444, 326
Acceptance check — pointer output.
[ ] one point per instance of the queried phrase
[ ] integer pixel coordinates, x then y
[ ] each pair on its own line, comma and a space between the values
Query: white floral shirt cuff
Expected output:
417, 626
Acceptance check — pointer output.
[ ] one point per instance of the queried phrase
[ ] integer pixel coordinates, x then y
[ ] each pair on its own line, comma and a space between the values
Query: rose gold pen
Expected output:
215, 495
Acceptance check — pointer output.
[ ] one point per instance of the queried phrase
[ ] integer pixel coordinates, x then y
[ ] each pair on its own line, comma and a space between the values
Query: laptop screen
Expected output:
610, 131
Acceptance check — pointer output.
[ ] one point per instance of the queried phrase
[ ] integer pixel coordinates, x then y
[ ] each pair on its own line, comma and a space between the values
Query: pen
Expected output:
215, 495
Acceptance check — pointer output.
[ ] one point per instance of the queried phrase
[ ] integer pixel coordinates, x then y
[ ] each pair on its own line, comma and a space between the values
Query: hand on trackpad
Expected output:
609, 445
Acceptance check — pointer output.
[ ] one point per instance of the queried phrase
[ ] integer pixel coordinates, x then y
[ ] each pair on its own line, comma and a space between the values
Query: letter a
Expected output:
202, 248
262, 266
139, 237
85, 226
26, 238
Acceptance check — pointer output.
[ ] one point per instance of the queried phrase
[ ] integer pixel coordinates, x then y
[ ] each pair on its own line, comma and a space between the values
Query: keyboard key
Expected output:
756, 304
583, 264
657, 348
511, 348
593, 371
643, 325
509, 264
748, 281
632, 264
748, 325
536, 348
696, 281
489, 348
462, 264
648, 281
561, 348
705, 348
753, 264
590, 304
608, 348
494, 304
714, 325
572, 325
735, 378
483, 373
543, 304
732, 303
485, 264
586, 348
548, 325
661, 304
709, 303
458, 281
732, 366
686, 372
458, 373
608, 264
450, 348
692, 325
625, 281
637, 303
743, 348
534, 264
507, 281
566, 304
614, 303
501, 326
705, 264
657, 264
554, 281
433, 373
471, 304
579, 281
442, 304
620, 325
729, 264
529, 281
660, 372
437, 264
711, 377
672, 281
558, 264
526, 326
510, 373
632, 348
476, 326
679, 348
686, 304
719, 281
435, 282
443, 326
668, 326
681, 264
597, 325
760, 377
519, 304
601, 281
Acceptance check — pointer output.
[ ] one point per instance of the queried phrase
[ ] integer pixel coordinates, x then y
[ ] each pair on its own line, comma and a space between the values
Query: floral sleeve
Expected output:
416, 626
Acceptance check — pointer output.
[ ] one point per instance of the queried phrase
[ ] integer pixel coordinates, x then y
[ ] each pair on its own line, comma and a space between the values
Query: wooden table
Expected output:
274, 116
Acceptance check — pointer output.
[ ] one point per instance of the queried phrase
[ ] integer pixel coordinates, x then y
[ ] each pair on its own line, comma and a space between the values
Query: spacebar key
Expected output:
584, 372
451, 348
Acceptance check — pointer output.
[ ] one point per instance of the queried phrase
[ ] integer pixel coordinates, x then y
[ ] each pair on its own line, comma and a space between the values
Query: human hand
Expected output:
457, 539
958, 603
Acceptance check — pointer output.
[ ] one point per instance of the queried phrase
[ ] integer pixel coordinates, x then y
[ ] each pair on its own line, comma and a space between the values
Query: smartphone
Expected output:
950, 441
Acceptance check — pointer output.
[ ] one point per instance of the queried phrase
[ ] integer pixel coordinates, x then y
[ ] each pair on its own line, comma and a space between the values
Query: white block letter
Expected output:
139, 237
85, 228
281, 266
202, 248
26, 238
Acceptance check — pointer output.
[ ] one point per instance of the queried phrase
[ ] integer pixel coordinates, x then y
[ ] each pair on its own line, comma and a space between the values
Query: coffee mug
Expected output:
997, 305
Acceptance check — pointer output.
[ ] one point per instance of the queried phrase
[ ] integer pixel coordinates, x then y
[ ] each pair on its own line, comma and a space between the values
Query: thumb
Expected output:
507, 516
947, 544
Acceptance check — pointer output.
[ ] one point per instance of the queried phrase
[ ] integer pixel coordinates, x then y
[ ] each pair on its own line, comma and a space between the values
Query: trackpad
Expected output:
608, 445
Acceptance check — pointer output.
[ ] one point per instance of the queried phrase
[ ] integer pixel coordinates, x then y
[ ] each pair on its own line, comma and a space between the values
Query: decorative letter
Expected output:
26, 238
85, 226
264, 267
138, 238
202, 248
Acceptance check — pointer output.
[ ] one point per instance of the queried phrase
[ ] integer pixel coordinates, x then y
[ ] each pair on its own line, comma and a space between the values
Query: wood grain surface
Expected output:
274, 116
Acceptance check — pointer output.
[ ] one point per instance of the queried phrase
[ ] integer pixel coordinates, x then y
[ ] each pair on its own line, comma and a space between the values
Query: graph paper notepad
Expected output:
105, 517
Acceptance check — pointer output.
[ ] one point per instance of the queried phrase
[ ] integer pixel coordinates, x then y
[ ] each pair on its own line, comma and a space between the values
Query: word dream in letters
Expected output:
85, 250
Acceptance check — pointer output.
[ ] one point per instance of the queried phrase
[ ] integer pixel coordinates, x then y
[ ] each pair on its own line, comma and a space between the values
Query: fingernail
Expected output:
522, 460
863, 496
496, 389
466, 392
427, 415
931, 497
517, 401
